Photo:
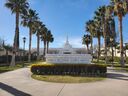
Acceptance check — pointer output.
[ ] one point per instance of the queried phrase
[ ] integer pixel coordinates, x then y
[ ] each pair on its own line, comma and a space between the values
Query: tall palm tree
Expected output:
49, 39
98, 33
44, 31
86, 40
39, 25
29, 20
18, 7
112, 35
120, 12
90, 28
100, 14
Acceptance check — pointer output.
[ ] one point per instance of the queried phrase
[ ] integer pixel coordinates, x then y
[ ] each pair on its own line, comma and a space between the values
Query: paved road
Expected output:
20, 83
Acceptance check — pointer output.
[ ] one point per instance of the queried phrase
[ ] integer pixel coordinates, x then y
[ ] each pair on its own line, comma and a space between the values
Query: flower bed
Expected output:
69, 69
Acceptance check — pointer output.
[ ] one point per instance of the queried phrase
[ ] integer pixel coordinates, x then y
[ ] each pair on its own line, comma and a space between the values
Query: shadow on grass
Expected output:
117, 76
12, 90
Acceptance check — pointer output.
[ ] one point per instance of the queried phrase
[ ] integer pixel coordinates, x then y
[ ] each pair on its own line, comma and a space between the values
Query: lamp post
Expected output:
111, 40
24, 41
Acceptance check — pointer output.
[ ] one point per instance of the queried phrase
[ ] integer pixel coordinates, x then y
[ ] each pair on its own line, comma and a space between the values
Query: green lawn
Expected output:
121, 69
7, 68
20, 65
67, 79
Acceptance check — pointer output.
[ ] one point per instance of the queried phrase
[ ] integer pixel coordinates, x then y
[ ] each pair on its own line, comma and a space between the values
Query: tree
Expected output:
44, 31
100, 15
86, 40
125, 5
98, 33
39, 25
90, 28
29, 20
112, 36
120, 12
18, 7
49, 39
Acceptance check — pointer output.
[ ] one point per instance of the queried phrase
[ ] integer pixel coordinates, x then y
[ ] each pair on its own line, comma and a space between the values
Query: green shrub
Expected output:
69, 69
102, 58
117, 59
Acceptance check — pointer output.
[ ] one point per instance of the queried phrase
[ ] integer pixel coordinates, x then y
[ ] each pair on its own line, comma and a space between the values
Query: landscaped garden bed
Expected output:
69, 73
69, 69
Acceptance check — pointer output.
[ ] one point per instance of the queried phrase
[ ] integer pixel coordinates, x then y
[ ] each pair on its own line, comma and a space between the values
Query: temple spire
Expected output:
67, 39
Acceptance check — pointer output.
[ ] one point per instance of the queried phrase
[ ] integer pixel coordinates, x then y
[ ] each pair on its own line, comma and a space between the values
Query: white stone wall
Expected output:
69, 58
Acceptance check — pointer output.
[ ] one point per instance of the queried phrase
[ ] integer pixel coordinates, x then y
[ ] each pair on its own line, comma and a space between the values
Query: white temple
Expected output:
67, 55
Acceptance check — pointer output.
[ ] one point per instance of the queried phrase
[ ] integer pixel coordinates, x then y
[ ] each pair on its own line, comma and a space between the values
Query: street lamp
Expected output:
24, 41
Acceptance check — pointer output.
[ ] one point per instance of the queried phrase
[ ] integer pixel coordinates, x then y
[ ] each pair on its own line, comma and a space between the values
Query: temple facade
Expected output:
68, 55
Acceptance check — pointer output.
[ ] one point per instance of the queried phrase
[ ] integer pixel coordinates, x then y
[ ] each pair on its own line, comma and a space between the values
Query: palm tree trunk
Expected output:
105, 39
87, 49
7, 56
92, 47
30, 39
44, 52
13, 59
112, 56
17, 31
98, 49
115, 51
121, 41
38, 45
47, 46
16, 40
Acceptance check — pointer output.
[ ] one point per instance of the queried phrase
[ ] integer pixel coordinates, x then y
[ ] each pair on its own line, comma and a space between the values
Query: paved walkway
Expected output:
20, 83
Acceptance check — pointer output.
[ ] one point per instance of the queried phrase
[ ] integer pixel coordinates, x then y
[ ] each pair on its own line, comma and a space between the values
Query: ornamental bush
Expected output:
69, 69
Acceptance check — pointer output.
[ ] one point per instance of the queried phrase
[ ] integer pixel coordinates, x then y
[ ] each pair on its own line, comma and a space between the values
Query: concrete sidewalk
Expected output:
20, 83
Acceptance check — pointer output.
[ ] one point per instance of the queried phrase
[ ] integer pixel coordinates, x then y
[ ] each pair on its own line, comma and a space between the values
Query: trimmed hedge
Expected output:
69, 69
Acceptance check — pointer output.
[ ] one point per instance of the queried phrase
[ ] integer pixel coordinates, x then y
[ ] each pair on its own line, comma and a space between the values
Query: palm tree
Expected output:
44, 31
29, 20
98, 33
86, 40
112, 35
90, 28
39, 25
18, 7
49, 39
120, 12
125, 5
100, 16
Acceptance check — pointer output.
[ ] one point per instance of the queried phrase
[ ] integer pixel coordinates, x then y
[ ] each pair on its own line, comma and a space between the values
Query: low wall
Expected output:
69, 58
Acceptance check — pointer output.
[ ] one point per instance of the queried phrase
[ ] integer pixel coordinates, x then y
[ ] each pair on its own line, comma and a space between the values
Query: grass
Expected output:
8, 68
19, 65
121, 69
66, 79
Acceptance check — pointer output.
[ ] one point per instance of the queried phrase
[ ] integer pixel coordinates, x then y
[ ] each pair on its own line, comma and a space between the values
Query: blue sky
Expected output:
62, 17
